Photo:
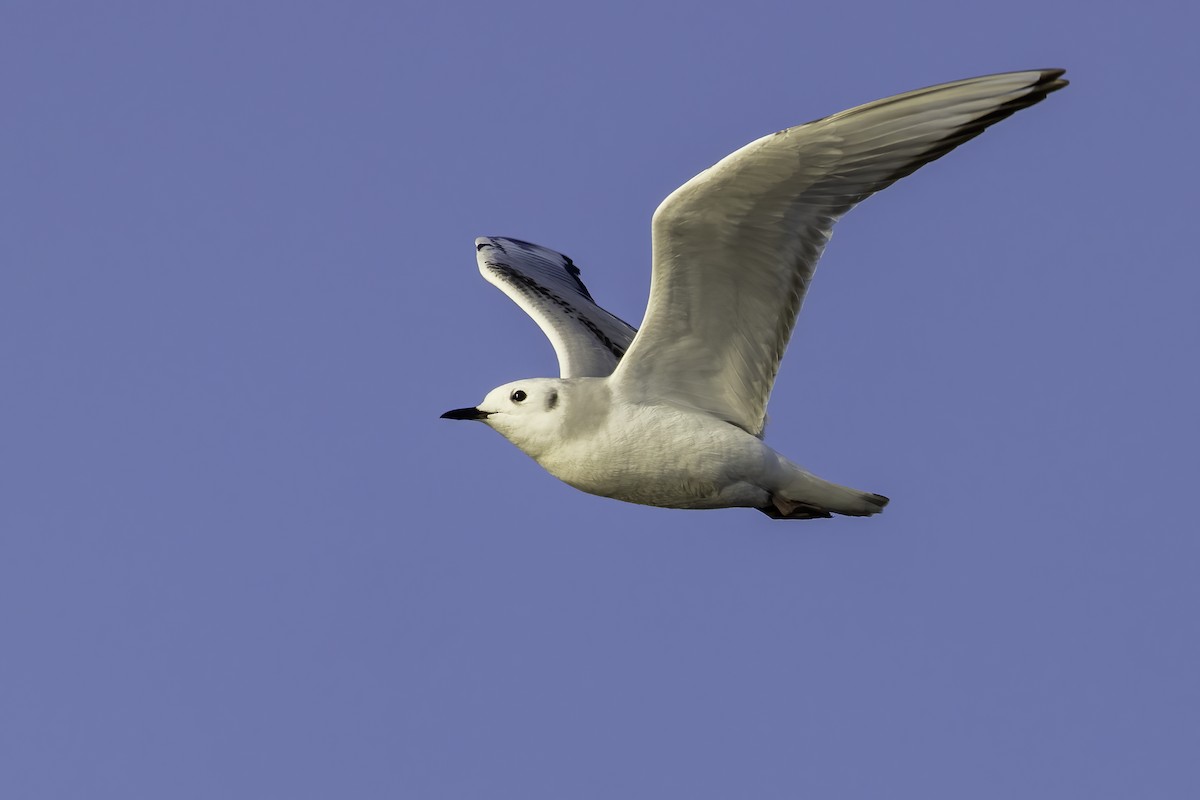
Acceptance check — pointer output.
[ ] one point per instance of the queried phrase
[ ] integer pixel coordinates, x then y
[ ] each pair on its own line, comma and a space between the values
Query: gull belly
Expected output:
662, 455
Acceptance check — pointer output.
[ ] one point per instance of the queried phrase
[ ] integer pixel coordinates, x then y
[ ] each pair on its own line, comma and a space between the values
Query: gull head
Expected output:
529, 413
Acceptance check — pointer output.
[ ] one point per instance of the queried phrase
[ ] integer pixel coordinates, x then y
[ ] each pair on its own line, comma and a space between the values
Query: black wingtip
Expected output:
1051, 80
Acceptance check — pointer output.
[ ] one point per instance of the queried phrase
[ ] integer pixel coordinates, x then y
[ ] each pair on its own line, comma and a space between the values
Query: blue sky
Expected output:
241, 556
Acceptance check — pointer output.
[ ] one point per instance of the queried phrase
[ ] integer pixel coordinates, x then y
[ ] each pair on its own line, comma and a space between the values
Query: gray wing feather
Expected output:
588, 340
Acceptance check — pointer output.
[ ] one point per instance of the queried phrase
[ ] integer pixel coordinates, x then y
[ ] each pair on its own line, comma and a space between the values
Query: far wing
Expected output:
588, 340
736, 246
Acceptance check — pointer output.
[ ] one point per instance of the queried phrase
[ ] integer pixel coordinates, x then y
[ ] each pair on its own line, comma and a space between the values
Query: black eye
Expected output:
518, 396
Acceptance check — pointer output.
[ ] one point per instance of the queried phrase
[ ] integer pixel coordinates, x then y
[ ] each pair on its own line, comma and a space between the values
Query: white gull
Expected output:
673, 415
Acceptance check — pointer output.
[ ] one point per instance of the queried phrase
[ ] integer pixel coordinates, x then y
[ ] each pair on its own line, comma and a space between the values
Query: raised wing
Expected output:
588, 340
736, 246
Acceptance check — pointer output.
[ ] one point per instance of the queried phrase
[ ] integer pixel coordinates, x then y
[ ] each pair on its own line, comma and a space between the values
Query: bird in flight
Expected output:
673, 414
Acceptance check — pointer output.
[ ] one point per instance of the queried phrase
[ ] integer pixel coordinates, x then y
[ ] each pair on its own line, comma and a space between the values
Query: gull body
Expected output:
583, 432
673, 415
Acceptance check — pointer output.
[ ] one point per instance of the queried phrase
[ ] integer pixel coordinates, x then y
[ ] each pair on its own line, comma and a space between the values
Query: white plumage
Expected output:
673, 415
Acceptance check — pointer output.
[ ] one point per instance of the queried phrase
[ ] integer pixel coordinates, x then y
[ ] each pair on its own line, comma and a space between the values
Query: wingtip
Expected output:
1051, 80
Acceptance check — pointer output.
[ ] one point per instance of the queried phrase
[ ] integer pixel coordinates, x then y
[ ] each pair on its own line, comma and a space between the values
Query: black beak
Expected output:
466, 413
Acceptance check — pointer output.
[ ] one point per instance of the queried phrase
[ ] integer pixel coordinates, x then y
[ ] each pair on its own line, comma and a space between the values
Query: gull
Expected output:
673, 414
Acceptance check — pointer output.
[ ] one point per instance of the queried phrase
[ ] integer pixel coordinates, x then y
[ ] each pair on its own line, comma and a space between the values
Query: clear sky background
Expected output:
241, 556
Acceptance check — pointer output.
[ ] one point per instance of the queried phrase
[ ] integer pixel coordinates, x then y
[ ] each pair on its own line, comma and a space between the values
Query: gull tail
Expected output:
808, 497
